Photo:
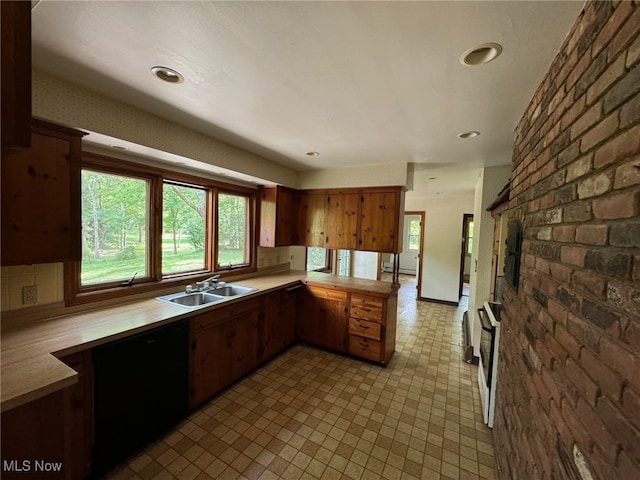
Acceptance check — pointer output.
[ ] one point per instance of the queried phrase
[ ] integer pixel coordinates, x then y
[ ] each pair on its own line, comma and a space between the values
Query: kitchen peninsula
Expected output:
49, 364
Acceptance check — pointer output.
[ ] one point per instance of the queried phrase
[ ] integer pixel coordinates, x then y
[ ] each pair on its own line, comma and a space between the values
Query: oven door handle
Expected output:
482, 314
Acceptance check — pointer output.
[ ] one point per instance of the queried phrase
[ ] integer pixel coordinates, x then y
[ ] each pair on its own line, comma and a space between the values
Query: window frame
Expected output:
250, 234
207, 221
328, 260
76, 294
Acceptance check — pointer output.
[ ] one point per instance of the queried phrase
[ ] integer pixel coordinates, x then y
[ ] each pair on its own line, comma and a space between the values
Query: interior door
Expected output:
410, 253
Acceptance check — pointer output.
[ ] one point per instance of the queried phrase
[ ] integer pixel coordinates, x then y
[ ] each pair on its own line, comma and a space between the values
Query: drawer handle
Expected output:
366, 309
364, 326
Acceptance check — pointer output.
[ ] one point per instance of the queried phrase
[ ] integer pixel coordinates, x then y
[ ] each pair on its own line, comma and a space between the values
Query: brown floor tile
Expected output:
311, 414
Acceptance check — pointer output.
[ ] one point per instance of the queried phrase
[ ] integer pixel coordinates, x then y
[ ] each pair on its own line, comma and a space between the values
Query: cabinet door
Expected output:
342, 221
278, 217
16, 75
210, 362
223, 352
325, 321
312, 219
41, 198
271, 325
290, 309
34, 431
286, 217
79, 416
379, 222
245, 342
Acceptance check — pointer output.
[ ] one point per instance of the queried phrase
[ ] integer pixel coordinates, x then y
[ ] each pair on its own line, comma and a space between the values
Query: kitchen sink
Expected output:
196, 299
229, 290
201, 299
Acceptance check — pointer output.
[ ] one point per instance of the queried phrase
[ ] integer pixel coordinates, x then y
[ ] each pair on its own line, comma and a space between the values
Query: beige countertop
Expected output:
30, 367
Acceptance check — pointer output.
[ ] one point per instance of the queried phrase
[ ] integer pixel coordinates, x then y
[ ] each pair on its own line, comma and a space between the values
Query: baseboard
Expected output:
443, 302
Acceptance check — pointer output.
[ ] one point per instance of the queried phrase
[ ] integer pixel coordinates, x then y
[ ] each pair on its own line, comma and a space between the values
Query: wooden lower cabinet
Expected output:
32, 433
372, 327
79, 416
291, 301
224, 346
52, 436
325, 318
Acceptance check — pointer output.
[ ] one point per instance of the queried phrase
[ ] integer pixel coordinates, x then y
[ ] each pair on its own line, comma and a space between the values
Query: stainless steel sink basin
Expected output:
201, 299
230, 290
196, 299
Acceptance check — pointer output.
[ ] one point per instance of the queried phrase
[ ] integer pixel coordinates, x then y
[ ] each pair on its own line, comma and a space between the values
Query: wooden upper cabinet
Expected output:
342, 221
15, 46
349, 219
278, 217
41, 198
311, 219
381, 216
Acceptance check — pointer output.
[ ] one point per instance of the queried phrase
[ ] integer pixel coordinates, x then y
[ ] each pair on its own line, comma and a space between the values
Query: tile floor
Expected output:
311, 414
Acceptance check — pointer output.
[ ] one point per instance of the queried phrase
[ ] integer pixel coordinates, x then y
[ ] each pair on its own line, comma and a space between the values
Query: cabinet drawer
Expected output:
328, 294
273, 297
366, 300
366, 348
222, 314
367, 313
364, 328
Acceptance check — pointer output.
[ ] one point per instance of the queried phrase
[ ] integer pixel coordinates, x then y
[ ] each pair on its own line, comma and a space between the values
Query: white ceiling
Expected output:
360, 82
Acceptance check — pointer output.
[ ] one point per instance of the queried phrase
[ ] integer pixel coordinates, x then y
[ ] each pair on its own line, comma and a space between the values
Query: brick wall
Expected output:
568, 390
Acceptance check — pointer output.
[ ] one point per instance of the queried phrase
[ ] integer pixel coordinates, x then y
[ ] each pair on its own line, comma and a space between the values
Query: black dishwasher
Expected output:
141, 390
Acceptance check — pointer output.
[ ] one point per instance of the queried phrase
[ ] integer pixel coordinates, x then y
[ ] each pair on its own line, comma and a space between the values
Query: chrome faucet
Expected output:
204, 285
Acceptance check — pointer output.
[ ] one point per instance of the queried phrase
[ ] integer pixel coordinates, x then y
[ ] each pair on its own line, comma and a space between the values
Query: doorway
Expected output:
465, 254
410, 260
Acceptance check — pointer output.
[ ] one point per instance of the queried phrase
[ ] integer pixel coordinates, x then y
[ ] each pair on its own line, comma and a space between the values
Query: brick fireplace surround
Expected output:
568, 404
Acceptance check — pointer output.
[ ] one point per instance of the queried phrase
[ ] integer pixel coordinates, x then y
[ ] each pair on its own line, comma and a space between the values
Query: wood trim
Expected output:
463, 253
421, 249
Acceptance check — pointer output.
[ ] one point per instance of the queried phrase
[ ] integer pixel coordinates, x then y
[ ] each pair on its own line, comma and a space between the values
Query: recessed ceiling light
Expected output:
470, 134
313, 154
167, 74
481, 54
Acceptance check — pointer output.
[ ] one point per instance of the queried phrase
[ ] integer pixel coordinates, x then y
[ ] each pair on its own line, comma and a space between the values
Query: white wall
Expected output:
298, 257
365, 264
491, 181
442, 243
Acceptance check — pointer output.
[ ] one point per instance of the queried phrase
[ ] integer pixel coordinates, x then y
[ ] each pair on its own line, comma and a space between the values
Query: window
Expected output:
233, 227
470, 237
115, 212
318, 258
414, 235
183, 228
344, 263
143, 227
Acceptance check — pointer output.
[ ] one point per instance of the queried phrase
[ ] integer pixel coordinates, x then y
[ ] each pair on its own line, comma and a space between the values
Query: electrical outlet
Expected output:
29, 294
